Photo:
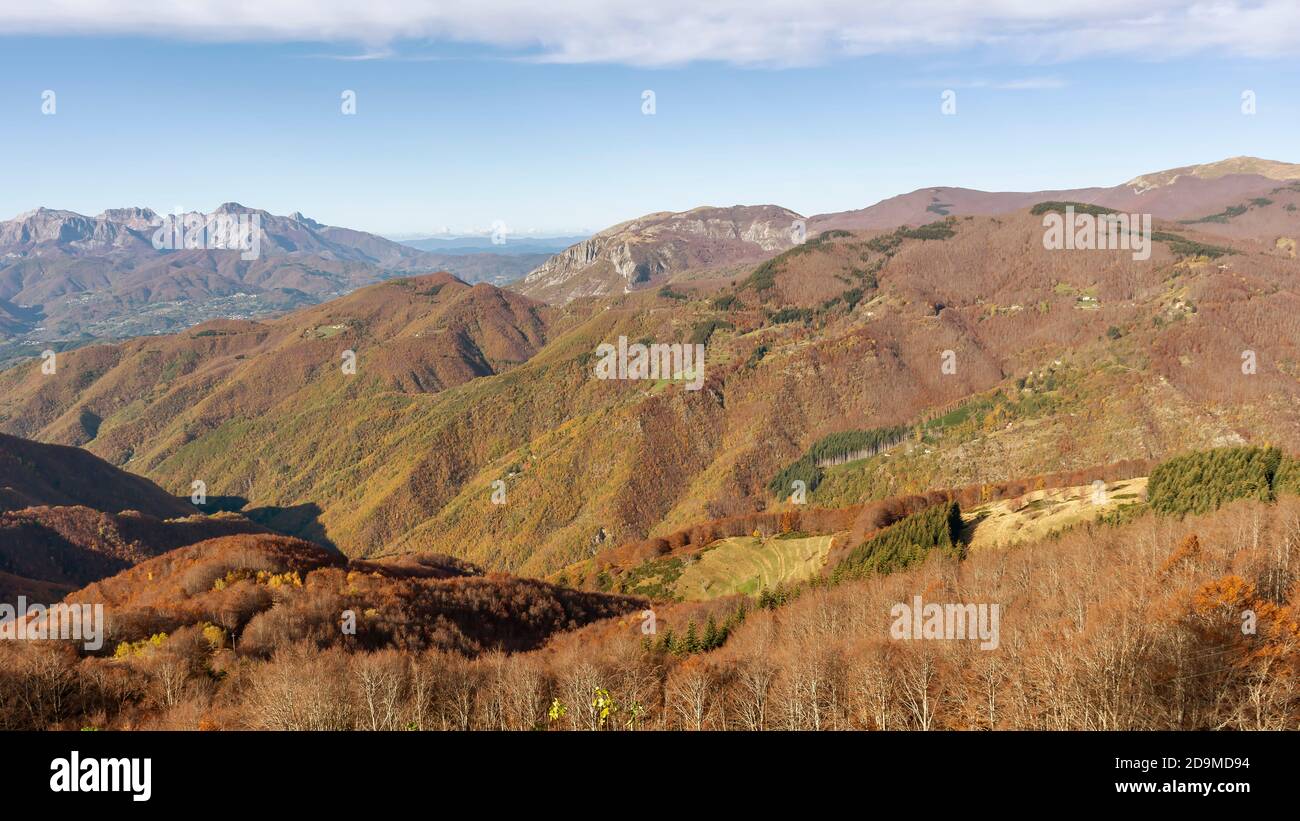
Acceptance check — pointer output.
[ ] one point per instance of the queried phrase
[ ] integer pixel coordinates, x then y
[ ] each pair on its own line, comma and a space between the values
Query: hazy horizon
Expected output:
460, 125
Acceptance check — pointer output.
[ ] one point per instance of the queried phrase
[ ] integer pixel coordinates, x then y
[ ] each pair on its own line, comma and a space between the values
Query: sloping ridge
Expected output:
68, 518
1177, 193
35, 474
424, 602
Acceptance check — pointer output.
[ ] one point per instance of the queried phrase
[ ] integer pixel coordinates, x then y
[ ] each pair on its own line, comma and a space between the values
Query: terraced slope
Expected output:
747, 565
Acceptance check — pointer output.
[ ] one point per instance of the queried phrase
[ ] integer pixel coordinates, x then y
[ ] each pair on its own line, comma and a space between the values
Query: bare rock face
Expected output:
54, 234
647, 251
46, 230
137, 219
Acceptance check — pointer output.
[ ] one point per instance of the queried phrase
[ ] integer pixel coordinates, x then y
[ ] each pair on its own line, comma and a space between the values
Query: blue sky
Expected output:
459, 134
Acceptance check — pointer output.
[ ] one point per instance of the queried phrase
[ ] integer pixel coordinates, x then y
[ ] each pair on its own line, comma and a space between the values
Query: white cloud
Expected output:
1021, 84
1032, 84
668, 32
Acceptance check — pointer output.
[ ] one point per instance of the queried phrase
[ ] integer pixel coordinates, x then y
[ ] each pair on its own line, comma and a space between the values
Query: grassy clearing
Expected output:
1035, 515
744, 564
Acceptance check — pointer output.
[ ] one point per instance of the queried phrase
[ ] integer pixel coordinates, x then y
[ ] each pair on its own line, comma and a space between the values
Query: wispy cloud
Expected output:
372, 54
1032, 84
1019, 84
670, 32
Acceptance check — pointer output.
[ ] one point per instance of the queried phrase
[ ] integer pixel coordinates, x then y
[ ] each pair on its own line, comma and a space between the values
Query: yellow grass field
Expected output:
1036, 514
744, 564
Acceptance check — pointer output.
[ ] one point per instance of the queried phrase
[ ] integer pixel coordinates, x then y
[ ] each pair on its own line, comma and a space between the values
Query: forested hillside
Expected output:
865, 364
1128, 625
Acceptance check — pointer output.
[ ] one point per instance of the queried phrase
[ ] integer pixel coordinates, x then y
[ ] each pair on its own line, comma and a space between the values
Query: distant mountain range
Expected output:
1179, 193
953, 396
68, 277
462, 386
654, 249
